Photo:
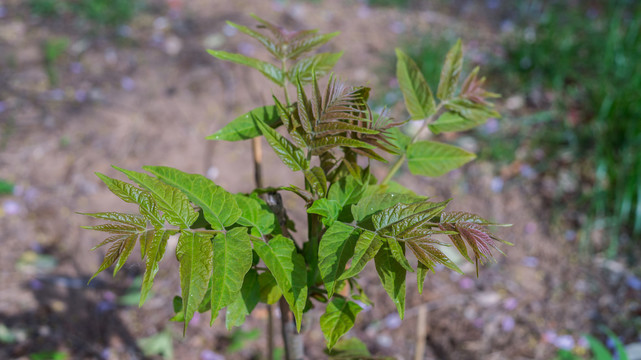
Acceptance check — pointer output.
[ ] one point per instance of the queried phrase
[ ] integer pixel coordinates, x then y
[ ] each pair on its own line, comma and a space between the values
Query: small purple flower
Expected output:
583, 342
510, 303
508, 323
3, 11
229, 30
530, 261
507, 26
31, 195
633, 282
36, 247
76, 68
3, 107
35, 284
109, 296
565, 342
157, 39
610, 343
80, 95
491, 126
527, 171
466, 283
127, 83
496, 185
246, 48
57, 94
11, 207
493, 4
210, 355
478, 323
392, 321
549, 336
570, 235
105, 353
105, 306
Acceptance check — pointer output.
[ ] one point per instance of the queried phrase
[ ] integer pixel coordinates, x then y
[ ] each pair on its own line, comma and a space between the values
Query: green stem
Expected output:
283, 67
399, 162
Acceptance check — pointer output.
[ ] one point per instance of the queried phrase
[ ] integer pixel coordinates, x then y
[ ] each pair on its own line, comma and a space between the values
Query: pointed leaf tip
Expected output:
430, 158
417, 94
451, 72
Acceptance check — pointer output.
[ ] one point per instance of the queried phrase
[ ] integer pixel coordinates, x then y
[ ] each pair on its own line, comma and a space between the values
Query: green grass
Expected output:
110, 13
53, 49
390, 3
589, 57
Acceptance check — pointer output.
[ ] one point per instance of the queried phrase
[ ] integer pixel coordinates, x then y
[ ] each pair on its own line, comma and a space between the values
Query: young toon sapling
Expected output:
236, 250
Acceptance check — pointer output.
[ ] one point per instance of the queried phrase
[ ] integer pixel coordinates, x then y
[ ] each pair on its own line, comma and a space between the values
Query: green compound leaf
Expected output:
271, 46
306, 44
270, 71
451, 122
219, 207
195, 253
119, 252
400, 219
326, 143
244, 127
333, 128
399, 139
288, 268
335, 249
290, 155
269, 291
114, 228
451, 72
318, 65
398, 252
421, 274
130, 219
369, 205
338, 319
429, 255
131, 194
392, 276
434, 159
419, 100
154, 252
366, 248
255, 213
472, 111
317, 180
175, 205
346, 191
350, 348
232, 260
245, 303
328, 209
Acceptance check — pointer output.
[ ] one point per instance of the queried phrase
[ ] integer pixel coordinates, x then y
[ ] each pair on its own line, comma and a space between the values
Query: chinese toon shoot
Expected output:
236, 250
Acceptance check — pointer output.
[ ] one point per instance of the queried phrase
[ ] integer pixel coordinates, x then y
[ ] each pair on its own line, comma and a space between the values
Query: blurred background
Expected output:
86, 84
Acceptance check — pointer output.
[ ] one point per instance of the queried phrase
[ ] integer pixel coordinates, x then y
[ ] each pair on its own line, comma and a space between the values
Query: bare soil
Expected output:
151, 98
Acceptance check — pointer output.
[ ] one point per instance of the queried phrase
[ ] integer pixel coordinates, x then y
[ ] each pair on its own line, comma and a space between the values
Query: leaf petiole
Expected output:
399, 162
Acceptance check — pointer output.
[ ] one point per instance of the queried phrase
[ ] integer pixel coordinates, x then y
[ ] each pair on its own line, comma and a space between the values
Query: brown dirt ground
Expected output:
55, 147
